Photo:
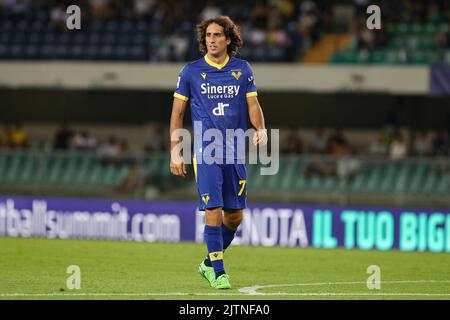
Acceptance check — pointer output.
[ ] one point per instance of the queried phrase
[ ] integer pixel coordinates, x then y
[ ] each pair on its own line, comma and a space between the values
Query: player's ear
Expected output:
228, 42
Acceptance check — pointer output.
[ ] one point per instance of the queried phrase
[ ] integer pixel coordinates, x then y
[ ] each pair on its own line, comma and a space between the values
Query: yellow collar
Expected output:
213, 64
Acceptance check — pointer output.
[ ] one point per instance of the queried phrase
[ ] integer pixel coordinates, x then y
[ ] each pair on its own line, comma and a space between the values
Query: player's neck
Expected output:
217, 59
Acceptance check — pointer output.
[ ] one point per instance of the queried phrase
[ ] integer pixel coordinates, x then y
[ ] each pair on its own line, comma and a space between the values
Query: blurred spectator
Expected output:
143, 7
440, 144
398, 148
110, 151
16, 8
319, 166
18, 136
259, 16
179, 46
6, 135
99, 8
58, 17
210, 11
293, 143
62, 138
160, 47
277, 30
318, 143
84, 141
422, 144
366, 37
156, 141
141, 176
378, 147
3, 139
135, 178
337, 145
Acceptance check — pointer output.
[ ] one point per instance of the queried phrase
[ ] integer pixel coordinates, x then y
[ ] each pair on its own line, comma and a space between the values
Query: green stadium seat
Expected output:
379, 57
54, 168
14, 167
435, 18
96, 173
374, 179
443, 27
274, 181
416, 28
259, 180
434, 57
3, 164
315, 183
288, 180
300, 179
431, 28
389, 175
84, 169
401, 28
360, 180
363, 57
418, 175
71, 169
419, 58
331, 184
121, 173
404, 174
251, 171
443, 184
430, 183
426, 43
28, 168
346, 57
398, 42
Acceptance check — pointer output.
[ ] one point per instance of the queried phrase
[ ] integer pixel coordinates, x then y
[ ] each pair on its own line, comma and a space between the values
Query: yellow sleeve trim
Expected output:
194, 163
252, 94
180, 96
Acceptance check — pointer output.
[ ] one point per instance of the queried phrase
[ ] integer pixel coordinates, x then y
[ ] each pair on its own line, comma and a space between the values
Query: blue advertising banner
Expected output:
440, 80
366, 228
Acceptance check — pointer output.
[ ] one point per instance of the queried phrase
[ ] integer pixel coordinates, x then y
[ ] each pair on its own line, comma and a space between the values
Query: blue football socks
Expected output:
214, 242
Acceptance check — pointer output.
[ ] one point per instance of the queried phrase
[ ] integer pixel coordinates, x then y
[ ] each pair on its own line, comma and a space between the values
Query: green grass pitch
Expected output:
36, 269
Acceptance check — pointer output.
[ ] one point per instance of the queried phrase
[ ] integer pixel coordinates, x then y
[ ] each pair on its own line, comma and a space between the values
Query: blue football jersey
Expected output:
218, 99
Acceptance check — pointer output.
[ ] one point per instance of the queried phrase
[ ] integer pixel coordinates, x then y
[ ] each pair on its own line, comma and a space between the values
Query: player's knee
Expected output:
233, 220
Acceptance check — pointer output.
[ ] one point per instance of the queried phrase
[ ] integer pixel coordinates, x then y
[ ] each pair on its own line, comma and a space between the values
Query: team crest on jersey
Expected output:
203, 75
236, 73
205, 198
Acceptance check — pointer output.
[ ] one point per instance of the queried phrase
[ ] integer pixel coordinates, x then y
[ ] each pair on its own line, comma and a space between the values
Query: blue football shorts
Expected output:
221, 185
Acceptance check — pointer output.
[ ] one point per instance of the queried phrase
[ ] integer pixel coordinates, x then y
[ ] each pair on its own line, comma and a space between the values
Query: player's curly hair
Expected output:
230, 29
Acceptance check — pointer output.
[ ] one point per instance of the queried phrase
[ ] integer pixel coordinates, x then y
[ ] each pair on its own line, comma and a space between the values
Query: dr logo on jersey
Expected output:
220, 109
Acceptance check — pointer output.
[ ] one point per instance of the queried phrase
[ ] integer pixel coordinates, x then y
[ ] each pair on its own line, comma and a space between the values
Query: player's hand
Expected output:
177, 166
260, 137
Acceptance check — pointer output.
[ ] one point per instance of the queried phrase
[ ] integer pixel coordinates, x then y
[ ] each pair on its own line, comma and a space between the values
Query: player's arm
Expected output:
257, 119
177, 166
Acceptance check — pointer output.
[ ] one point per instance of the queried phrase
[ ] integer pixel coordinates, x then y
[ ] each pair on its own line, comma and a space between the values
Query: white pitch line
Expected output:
223, 294
251, 291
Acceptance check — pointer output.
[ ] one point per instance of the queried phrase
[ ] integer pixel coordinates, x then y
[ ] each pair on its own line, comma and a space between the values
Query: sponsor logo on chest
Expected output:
219, 92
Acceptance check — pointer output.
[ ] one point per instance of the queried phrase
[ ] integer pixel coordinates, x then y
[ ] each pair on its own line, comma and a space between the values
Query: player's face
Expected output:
216, 42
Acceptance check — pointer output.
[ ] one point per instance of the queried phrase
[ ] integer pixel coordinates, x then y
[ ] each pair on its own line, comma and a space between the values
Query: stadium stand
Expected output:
273, 31
418, 35
154, 30
298, 173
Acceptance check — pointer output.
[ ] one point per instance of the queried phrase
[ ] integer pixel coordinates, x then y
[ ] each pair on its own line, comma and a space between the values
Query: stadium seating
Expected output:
72, 169
408, 43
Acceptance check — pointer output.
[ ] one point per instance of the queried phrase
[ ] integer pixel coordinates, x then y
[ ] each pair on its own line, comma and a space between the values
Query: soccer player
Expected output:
221, 90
